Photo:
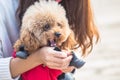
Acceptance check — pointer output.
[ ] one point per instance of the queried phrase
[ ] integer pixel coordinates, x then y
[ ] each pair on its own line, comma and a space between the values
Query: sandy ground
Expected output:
104, 61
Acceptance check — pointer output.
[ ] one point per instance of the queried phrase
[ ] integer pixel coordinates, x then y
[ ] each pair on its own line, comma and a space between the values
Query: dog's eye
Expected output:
58, 24
46, 27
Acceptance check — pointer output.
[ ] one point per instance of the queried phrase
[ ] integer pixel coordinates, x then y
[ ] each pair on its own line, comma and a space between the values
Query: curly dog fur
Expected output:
40, 23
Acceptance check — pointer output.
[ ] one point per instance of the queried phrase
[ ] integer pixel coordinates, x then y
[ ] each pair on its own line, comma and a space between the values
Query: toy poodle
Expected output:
44, 24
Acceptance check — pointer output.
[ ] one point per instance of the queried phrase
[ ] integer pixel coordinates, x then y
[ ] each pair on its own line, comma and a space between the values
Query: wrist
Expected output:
34, 57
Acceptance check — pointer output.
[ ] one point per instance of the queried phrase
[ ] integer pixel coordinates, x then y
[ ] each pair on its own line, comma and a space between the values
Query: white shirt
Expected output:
9, 32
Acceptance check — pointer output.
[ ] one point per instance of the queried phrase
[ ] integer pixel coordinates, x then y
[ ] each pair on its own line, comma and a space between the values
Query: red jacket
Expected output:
40, 73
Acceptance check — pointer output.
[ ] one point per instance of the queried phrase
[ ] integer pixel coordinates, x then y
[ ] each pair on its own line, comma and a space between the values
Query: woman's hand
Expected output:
68, 68
54, 59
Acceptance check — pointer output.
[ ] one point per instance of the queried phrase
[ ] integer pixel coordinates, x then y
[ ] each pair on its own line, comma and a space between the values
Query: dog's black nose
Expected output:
57, 34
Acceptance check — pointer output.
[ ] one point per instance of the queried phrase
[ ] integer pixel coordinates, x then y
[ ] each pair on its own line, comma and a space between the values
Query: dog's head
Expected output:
45, 23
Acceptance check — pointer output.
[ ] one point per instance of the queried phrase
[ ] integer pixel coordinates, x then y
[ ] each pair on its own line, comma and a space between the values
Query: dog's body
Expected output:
44, 23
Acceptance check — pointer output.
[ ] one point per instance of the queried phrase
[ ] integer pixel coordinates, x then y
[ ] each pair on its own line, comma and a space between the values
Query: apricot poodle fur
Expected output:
42, 23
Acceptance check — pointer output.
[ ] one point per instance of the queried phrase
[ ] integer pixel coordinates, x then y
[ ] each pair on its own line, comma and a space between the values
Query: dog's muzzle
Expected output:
57, 34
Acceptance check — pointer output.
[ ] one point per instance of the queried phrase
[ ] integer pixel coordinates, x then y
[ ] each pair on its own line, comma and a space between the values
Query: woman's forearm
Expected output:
46, 55
19, 66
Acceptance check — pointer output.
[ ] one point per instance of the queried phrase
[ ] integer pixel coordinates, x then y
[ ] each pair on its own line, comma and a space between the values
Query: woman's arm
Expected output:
47, 56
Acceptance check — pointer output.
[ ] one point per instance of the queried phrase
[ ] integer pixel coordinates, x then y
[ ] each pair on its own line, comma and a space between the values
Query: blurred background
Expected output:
104, 61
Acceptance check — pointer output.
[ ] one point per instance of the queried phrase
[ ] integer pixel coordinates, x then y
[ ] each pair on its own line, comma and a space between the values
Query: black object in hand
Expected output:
78, 63
57, 49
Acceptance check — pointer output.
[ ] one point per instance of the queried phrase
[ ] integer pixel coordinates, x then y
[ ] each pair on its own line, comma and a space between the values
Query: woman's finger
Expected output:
68, 69
59, 54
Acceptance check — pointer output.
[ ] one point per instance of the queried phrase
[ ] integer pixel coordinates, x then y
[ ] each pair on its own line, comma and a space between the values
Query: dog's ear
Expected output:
70, 43
29, 41
17, 45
